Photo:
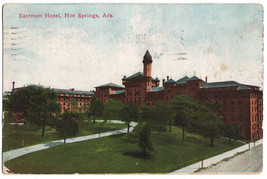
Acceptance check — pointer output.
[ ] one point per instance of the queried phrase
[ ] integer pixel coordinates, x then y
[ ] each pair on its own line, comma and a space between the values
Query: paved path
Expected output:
247, 162
9, 155
213, 160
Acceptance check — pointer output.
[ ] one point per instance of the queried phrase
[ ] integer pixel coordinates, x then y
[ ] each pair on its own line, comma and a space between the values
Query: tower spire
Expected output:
147, 63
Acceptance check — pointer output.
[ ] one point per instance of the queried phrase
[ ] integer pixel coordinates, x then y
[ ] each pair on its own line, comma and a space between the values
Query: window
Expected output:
232, 101
232, 109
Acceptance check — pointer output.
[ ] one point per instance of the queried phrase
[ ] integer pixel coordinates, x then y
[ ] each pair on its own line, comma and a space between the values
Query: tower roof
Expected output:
170, 81
194, 78
182, 80
147, 57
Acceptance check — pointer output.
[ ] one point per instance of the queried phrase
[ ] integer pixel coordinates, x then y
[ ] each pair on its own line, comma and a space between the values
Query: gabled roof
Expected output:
110, 85
170, 81
118, 92
226, 84
182, 80
136, 75
194, 78
220, 84
156, 89
243, 87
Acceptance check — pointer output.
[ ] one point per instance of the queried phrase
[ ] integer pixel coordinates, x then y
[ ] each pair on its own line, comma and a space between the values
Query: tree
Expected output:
34, 104
234, 132
214, 105
146, 114
157, 116
183, 109
114, 106
67, 126
73, 106
127, 114
208, 123
96, 108
144, 139
111, 109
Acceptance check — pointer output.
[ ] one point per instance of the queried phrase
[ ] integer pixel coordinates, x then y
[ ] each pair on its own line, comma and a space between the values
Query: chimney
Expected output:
72, 89
163, 81
167, 78
13, 85
206, 79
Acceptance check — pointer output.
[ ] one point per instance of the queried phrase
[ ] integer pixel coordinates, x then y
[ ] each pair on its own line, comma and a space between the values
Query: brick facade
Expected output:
242, 103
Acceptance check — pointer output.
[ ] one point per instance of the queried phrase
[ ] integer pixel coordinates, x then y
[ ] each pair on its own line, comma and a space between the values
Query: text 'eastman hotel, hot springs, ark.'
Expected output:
242, 104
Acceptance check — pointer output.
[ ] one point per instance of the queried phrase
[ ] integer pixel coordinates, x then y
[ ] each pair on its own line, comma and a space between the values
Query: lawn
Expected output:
13, 134
121, 154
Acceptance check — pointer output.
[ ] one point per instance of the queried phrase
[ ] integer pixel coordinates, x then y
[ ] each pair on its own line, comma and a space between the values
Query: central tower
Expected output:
147, 61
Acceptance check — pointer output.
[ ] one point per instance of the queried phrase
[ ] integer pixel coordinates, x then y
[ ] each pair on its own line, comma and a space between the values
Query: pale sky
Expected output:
223, 42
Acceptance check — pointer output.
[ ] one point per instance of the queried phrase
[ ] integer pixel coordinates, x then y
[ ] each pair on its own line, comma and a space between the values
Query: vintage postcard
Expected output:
132, 88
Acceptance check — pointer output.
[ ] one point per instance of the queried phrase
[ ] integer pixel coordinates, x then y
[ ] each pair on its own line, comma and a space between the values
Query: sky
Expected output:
222, 42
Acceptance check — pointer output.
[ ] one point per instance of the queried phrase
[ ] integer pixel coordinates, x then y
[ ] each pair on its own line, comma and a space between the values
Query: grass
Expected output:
13, 134
121, 154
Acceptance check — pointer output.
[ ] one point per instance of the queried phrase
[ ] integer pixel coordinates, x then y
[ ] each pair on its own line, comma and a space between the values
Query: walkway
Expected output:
213, 160
243, 163
9, 155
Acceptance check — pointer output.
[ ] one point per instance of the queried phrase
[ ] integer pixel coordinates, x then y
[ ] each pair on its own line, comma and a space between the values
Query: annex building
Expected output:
66, 96
242, 104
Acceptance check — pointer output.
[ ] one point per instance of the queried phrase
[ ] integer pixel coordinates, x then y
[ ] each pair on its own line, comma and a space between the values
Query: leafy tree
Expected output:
146, 114
73, 106
144, 139
127, 114
157, 116
67, 126
34, 104
183, 109
208, 123
234, 132
114, 106
107, 114
96, 108
214, 105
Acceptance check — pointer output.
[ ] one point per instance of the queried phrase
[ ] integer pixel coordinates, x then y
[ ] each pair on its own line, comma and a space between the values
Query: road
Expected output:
247, 162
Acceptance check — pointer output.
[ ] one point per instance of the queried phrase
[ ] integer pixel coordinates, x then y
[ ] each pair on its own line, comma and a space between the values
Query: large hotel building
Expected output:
242, 104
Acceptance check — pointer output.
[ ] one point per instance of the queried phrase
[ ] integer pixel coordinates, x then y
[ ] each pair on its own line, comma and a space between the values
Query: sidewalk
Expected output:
213, 160
9, 155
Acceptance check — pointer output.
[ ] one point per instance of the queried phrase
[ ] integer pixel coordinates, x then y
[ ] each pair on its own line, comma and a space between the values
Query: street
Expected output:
247, 162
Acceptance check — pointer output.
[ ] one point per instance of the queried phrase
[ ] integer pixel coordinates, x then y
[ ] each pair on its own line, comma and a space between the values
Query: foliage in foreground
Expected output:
34, 104
145, 139
67, 127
